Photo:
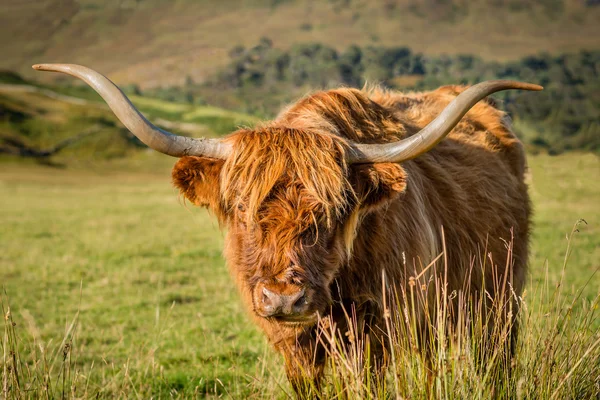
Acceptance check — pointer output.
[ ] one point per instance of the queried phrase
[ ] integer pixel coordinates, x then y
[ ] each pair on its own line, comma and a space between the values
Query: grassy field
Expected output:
118, 286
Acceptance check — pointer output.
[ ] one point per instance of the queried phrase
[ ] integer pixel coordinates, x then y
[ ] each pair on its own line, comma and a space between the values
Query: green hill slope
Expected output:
37, 118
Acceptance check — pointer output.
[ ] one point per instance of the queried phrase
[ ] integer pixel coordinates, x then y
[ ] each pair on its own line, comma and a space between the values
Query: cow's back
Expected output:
484, 126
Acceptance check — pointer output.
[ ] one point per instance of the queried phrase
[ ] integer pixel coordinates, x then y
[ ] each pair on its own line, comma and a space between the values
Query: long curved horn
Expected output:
156, 138
436, 130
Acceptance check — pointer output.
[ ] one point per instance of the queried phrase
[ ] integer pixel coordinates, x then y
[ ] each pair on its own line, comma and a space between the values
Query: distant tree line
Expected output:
565, 116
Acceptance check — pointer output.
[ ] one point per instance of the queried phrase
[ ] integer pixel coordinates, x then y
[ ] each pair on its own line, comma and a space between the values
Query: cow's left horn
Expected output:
436, 130
156, 138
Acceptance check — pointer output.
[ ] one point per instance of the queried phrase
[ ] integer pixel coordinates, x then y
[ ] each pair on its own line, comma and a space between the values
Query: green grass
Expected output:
117, 285
564, 189
153, 294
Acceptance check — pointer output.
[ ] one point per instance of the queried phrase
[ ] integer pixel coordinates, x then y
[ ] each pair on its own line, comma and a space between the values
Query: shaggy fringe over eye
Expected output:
268, 156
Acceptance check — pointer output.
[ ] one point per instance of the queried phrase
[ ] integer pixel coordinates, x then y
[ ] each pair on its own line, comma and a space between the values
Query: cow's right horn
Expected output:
428, 137
156, 138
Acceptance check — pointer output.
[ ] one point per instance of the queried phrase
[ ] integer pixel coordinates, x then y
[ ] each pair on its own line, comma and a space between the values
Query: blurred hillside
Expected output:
158, 42
34, 119
175, 58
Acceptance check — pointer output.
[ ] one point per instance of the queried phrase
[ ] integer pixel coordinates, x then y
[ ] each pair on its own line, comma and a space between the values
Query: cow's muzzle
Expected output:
285, 302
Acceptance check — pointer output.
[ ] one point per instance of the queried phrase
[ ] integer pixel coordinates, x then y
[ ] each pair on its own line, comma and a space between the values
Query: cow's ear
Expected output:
197, 178
377, 184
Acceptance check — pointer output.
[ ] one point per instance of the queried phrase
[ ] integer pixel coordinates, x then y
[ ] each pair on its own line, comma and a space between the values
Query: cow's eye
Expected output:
241, 207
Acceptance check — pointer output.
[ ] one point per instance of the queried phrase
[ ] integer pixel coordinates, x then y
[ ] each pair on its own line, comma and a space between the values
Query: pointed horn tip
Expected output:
534, 87
42, 67
52, 67
517, 85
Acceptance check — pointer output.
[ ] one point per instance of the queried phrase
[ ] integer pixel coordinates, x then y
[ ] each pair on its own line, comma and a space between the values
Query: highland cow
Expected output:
347, 186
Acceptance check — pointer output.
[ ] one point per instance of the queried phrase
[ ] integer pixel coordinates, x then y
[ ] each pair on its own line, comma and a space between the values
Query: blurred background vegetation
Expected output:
565, 116
253, 57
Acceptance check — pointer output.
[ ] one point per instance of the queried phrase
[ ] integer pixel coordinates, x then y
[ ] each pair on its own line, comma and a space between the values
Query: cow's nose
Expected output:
278, 304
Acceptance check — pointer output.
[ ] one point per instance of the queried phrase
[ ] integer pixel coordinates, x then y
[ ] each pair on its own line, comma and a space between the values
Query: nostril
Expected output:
301, 302
269, 300
266, 295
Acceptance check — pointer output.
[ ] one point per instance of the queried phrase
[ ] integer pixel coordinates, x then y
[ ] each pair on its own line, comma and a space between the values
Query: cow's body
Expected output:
471, 184
351, 194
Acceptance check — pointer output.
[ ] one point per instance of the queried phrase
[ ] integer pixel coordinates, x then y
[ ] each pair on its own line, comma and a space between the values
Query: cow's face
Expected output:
292, 207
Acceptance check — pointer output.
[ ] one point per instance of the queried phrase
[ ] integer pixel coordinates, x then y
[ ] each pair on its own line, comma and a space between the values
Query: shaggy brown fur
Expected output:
298, 216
